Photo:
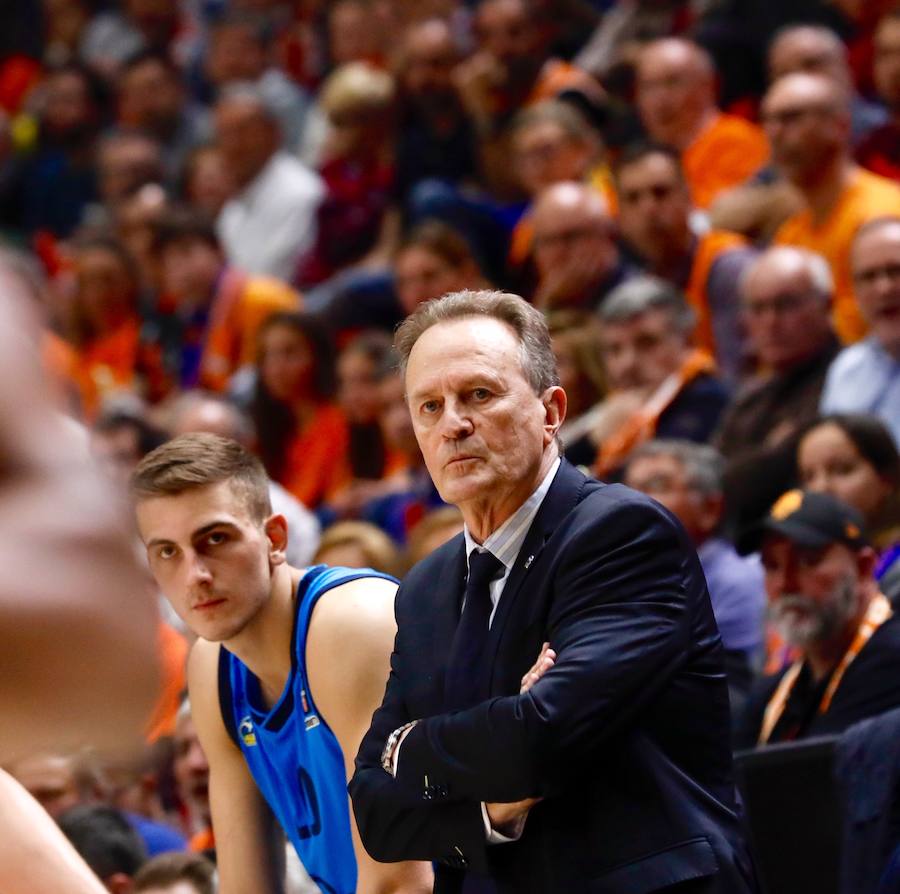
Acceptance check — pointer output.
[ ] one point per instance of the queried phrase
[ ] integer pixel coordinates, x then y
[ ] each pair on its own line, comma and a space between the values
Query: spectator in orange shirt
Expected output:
105, 322
807, 121
303, 437
675, 94
655, 220
211, 311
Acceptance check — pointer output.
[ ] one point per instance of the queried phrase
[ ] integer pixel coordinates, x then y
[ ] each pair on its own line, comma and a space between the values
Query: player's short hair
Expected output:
166, 870
535, 349
200, 459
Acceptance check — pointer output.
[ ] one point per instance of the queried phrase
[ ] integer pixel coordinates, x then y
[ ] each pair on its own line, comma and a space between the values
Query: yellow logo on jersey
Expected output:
248, 737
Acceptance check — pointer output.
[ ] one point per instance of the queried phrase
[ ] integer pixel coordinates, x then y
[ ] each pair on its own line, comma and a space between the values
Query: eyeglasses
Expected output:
871, 276
779, 305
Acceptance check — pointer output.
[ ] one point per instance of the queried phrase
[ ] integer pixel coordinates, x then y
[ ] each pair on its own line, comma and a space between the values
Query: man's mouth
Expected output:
207, 604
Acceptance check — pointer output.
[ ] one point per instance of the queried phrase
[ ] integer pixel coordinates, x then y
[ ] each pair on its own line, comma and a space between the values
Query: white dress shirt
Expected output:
267, 227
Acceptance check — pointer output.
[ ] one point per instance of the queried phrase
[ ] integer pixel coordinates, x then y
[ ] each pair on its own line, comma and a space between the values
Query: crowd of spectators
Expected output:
221, 210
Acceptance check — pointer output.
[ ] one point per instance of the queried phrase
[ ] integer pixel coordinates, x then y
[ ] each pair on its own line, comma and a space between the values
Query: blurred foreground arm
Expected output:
77, 617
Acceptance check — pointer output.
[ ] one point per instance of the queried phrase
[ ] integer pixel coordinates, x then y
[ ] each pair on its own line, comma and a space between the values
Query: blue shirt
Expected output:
292, 754
864, 378
738, 595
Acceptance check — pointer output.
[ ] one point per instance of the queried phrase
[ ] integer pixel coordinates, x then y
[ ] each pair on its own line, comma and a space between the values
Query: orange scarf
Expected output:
641, 425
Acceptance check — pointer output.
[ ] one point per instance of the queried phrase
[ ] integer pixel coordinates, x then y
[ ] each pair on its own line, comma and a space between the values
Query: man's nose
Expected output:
199, 571
456, 422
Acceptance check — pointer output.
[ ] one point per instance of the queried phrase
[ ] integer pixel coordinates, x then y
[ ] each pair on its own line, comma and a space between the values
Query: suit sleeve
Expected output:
410, 820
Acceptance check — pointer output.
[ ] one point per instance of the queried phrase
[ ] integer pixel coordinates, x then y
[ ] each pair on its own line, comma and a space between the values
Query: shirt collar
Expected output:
507, 540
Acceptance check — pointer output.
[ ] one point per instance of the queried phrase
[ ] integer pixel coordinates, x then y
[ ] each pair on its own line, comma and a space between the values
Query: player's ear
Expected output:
276, 533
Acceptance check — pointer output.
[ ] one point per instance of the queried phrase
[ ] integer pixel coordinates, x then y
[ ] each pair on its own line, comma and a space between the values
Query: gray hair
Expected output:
528, 323
645, 293
704, 466
250, 93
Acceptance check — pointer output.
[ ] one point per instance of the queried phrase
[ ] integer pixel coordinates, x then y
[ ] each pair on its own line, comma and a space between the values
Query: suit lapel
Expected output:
564, 494
450, 583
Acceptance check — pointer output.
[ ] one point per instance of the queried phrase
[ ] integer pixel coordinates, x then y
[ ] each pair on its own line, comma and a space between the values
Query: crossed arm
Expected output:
619, 624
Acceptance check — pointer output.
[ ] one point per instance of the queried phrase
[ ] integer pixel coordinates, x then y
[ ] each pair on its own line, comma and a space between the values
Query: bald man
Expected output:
676, 100
807, 120
815, 49
575, 248
785, 297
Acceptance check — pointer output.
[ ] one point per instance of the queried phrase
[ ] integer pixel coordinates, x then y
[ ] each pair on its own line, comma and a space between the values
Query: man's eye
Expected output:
481, 393
430, 406
216, 538
166, 552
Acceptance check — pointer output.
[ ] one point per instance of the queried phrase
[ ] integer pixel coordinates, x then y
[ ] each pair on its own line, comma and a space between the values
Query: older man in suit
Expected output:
611, 771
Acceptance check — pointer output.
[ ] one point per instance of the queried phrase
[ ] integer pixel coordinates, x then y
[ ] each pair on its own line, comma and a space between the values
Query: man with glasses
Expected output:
807, 120
786, 296
865, 378
575, 248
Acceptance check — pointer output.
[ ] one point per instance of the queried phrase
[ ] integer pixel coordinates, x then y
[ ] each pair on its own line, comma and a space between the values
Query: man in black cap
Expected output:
825, 603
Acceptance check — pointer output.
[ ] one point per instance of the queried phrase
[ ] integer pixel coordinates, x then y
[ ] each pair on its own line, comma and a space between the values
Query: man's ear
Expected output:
276, 533
555, 403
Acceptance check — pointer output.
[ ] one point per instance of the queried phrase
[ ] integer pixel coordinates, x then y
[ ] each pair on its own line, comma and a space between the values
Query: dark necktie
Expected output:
465, 665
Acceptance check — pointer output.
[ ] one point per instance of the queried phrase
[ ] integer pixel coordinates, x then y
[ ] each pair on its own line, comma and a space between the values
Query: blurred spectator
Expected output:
660, 386
202, 411
575, 337
552, 142
64, 22
655, 219
239, 53
511, 69
126, 161
59, 782
176, 874
354, 32
207, 183
865, 377
816, 49
432, 531
303, 437
854, 458
786, 303
116, 35
191, 771
107, 843
135, 222
120, 439
59, 180
210, 312
358, 366
357, 544
431, 261
675, 95
270, 223
106, 325
880, 150
826, 604
575, 250
152, 99
806, 118
687, 479
357, 223
435, 138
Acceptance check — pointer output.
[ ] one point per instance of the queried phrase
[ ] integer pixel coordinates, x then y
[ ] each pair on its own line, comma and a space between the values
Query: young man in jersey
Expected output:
288, 667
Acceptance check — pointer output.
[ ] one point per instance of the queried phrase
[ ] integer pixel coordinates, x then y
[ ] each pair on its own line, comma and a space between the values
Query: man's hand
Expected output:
509, 819
544, 662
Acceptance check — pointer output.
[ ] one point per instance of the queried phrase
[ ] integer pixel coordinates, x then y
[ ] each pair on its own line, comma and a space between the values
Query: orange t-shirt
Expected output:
241, 306
173, 652
107, 363
710, 247
728, 151
317, 463
866, 197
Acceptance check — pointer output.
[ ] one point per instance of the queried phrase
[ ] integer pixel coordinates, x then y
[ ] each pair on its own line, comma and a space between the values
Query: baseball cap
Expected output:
809, 519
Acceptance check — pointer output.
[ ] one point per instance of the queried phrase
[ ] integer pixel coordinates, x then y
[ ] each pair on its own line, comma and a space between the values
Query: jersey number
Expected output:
306, 787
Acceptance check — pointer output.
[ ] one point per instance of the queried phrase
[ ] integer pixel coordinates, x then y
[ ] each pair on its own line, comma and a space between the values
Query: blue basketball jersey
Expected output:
292, 754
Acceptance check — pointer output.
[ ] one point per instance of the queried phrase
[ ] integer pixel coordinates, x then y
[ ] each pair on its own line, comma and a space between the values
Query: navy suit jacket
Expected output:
626, 738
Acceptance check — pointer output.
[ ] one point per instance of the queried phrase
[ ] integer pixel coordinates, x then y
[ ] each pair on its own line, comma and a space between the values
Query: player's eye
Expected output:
216, 538
166, 552
480, 393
